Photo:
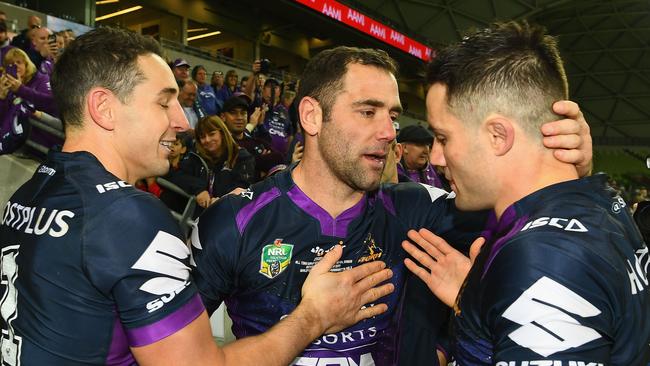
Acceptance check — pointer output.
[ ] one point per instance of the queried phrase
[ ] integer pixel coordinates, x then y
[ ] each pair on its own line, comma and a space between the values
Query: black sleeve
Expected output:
215, 244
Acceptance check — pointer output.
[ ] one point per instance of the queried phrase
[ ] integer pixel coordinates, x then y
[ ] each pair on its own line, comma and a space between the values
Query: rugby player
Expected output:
562, 278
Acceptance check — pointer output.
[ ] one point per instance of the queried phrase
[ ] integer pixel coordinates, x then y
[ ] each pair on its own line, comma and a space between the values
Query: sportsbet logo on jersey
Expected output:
275, 258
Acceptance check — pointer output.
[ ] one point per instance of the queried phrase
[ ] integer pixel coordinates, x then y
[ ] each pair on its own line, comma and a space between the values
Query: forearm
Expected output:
287, 339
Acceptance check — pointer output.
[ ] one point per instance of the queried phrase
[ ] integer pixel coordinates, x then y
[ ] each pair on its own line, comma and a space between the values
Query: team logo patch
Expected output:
276, 258
372, 253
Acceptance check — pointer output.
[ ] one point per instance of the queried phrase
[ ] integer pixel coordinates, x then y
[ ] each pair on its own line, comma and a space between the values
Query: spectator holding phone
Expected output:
23, 90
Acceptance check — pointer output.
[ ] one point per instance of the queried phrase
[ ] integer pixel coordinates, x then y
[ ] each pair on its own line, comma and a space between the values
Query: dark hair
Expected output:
229, 148
3, 28
513, 68
323, 76
104, 57
196, 69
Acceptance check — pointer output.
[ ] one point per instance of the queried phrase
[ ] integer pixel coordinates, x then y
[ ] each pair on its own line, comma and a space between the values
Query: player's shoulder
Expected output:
412, 194
237, 210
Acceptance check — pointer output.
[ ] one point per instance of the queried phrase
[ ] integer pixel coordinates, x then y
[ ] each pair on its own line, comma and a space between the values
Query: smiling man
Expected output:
96, 272
562, 279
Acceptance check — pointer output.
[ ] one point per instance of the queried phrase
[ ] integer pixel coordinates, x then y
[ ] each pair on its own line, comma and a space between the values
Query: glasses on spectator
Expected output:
36, 26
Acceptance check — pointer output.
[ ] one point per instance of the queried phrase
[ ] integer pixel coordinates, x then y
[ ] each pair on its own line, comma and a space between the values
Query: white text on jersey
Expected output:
50, 221
558, 222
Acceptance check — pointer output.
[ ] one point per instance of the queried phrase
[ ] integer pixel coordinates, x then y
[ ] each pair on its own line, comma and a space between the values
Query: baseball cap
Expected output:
180, 62
415, 134
271, 81
234, 102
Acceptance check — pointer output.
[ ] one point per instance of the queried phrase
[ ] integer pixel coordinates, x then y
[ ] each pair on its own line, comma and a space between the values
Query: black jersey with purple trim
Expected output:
90, 267
254, 251
562, 281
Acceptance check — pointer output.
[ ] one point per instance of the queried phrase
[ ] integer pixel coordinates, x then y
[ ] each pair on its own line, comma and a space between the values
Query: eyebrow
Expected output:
167, 91
378, 104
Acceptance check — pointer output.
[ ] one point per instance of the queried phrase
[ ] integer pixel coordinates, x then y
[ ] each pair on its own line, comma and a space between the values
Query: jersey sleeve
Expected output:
134, 254
547, 297
214, 243
423, 206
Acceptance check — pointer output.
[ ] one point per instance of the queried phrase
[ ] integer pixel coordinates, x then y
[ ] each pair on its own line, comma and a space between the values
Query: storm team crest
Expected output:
275, 258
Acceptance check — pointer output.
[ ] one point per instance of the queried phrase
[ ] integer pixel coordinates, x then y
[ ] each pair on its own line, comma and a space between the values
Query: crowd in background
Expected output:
243, 127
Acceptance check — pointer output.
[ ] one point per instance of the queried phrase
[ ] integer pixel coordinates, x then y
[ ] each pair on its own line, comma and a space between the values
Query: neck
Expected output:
104, 152
522, 178
318, 182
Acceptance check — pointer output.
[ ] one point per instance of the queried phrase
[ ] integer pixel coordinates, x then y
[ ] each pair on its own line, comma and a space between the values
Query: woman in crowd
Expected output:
23, 91
217, 167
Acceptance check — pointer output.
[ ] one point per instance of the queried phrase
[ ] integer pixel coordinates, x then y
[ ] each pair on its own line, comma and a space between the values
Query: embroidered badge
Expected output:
276, 258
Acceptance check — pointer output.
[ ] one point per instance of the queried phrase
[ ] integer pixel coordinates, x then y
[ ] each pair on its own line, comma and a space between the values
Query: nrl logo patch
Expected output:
276, 258
373, 252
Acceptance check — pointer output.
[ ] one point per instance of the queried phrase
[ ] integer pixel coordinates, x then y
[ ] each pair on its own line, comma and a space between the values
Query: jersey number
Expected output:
10, 343
545, 328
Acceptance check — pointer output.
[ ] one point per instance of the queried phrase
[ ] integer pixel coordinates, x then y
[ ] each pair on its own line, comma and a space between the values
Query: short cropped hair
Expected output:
511, 68
104, 57
323, 76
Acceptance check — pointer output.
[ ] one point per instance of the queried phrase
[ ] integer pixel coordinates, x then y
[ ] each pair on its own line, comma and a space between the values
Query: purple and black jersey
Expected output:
562, 281
254, 251
90, 267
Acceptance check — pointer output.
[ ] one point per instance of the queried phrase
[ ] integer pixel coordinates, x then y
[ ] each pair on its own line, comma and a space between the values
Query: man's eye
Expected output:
368, 114
164, 106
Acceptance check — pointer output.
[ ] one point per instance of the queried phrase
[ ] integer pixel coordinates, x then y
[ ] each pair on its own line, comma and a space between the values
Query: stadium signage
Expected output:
369, 26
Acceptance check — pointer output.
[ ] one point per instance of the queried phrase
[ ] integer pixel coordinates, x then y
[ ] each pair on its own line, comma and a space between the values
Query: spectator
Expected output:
187, 98
3, 16
43, 52
179, 149
416, 144
68, 36
234, 114
23, 40
206, 96
276, 122
243, 82
217, 167
4, 40
217, 80
181, 69
20, 96
229, 87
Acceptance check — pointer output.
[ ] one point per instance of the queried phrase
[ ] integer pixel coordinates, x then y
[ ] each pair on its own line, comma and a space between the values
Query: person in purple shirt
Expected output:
230, 86
20, 96
416, 142
205, 94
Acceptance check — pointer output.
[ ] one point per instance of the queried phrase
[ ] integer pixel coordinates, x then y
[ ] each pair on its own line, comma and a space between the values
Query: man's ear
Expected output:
101, 107
311, 116
399, 151
501, 134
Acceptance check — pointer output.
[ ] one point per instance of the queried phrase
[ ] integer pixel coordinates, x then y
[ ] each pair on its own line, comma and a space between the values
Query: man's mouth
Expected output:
167, 144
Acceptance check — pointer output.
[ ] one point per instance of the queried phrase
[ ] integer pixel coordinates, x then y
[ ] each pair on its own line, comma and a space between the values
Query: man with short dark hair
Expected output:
235, 115
562, 278
416, 144
97, 272
254, 250
23, 40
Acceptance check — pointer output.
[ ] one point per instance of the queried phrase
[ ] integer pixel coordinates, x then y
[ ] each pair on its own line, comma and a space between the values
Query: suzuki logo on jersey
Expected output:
639, 271
275, 258
558, 222
546, 326
373, 252
548, 363
102, 188
165, 255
